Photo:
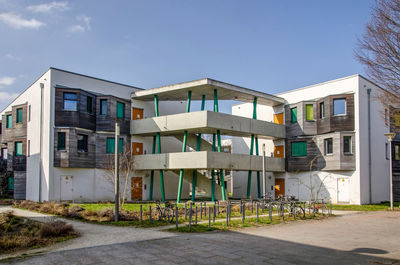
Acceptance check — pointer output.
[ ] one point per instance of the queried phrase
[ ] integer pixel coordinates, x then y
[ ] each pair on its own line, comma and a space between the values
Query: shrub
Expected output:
56, 229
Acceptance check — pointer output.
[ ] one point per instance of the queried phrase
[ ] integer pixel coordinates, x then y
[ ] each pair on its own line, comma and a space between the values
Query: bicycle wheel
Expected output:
169, 214
156, 214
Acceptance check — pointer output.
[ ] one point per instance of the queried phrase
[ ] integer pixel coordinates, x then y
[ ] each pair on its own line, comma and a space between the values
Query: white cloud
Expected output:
17, 22
76, 28
6, 80
12, 57
48, 7
84, 24
7, 96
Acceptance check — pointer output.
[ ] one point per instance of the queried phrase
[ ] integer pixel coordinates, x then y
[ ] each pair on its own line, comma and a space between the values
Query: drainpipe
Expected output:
40, 141
369, 145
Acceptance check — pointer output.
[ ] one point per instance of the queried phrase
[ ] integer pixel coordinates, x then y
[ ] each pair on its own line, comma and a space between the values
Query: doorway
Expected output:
136, 188
279, 187
343, 190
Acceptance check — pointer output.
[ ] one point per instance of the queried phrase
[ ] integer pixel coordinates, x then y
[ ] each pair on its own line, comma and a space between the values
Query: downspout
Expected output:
40, 141
369, 146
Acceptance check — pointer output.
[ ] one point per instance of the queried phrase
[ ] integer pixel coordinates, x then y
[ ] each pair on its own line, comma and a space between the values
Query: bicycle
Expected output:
316, 207
164, 213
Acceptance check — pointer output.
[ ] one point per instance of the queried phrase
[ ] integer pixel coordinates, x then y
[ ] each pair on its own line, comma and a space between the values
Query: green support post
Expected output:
185, 135
258, 173
194, 180
152, 172
223, 190
213, 173
251, 152
158, 138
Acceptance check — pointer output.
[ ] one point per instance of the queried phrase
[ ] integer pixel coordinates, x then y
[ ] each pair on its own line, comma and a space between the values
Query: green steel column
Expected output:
158, 137
251, 150
219, 146
213, 173
185, 135
194, 181
258, 173
152, 172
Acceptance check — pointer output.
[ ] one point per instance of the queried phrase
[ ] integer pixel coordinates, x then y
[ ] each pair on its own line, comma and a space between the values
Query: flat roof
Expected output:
206, 86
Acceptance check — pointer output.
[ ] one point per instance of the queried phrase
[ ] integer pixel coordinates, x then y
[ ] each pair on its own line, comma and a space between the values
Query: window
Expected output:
299, 149
293, 112
396, 152
18, 148
387, 151
4, 153
29, 148
61, 141
9, 121
111, 145
347, 144
1, 128
321, 110
70, 101
29, 113
339, 106
120, 110
397, 119
386, 117
89, 104
103, 106
328, 146
82, 143
309, 112
19, 116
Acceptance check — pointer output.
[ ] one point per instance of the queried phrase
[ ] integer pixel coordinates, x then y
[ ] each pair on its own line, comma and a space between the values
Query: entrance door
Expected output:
278, 151
136, 191
343, 190
137, 114
66, 187
279, 187
137, 148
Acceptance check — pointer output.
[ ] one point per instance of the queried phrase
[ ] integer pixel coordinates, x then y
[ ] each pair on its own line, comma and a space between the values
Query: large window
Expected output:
19, 116
82, 143
397, 119
347, 144
61, 141
321, 110
89, 104
328, 146
339, 106
103, 106
18, 148
120, 110
299, 149
9, 121
293, 115
111, 145
70, 101
309, 112
396, 152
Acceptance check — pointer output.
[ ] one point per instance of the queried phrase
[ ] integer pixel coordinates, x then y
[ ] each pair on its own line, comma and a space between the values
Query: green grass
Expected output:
237, 224
366, 207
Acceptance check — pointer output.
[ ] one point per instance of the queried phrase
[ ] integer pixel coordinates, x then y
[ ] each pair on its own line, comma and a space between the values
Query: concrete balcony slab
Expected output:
207, 160
207, 122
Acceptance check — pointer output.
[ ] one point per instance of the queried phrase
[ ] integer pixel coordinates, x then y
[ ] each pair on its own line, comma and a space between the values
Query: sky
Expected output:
271, 46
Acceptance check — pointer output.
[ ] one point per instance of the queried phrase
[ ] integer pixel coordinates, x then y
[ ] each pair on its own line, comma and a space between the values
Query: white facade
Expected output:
339, 186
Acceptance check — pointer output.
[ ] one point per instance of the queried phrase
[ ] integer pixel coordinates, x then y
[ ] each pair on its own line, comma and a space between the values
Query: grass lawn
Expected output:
366, 207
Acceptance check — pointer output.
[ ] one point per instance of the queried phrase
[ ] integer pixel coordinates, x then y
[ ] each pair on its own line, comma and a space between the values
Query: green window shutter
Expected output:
293, 112
18, 148
61, 141
110, 145
9, 121
10, 183
299, 149
121, 145
19, 116
120, 110
309, 112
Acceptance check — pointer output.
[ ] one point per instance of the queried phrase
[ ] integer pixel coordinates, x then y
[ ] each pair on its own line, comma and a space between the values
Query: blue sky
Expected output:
266, 45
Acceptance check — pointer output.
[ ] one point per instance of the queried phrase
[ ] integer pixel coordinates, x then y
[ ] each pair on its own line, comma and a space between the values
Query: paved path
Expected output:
365, 238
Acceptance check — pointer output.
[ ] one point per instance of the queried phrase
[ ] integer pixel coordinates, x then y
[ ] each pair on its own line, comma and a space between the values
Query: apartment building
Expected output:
335, 146
57, 141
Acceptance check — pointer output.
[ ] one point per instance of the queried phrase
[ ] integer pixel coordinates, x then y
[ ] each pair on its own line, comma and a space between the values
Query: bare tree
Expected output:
379, 49
126, 171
